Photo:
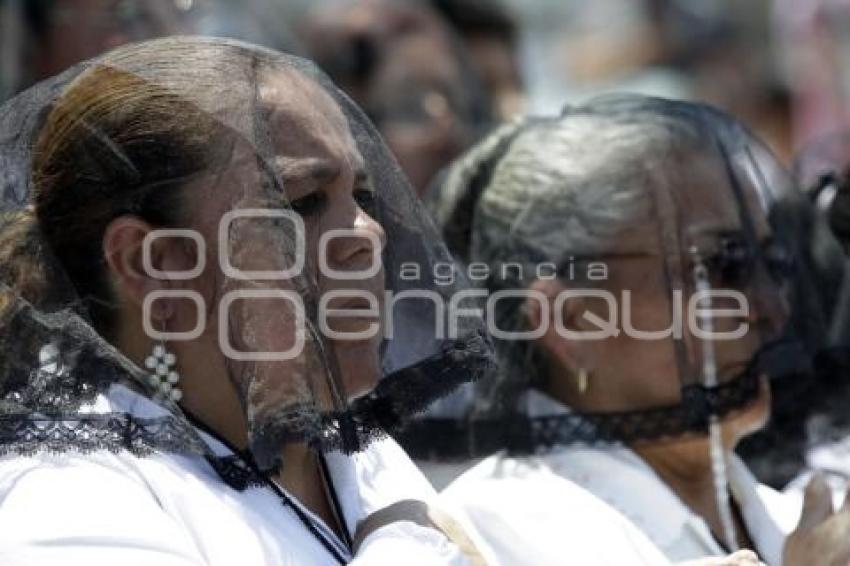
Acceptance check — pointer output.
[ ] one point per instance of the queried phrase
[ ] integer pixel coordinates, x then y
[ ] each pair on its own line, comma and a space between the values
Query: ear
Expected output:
569, 354
123, 249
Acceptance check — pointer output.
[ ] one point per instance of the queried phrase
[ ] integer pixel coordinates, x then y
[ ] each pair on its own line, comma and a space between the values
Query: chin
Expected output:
751, 418
360, 384
359, 366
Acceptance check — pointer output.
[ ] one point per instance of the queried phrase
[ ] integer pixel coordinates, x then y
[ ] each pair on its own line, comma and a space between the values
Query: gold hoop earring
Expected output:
582, 381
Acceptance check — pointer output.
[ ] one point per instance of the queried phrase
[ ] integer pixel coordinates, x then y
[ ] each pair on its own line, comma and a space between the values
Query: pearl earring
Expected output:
163, 378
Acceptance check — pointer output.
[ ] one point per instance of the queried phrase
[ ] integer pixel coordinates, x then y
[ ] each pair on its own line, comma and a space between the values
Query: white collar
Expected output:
539, 404
621, 478
122, 399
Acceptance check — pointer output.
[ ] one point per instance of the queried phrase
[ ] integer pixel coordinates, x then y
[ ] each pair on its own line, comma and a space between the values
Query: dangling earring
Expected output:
582, 380
164, 378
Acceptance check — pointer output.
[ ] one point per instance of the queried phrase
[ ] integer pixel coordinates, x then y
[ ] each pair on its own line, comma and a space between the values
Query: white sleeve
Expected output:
374, 479
85, 512
410, 543
378, 477
540, 519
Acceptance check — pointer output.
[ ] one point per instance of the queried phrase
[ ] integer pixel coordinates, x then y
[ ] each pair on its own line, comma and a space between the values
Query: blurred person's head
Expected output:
64, 32
45, 37
730, 62
822, 169
490, 34
404, 67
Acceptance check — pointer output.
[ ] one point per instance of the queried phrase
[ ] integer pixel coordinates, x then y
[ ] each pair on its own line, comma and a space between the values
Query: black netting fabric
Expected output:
675, 199
289, 182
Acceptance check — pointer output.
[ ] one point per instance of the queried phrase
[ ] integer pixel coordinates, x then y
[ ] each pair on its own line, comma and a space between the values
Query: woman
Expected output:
408, 71
602, 237
193, 369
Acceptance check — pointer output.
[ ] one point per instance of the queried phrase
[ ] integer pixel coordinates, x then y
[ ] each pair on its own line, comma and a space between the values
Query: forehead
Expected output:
421, 58
303, 121
297, 134
712, 194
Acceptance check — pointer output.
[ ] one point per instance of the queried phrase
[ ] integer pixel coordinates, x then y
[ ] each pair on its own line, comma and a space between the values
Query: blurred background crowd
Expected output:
437, 75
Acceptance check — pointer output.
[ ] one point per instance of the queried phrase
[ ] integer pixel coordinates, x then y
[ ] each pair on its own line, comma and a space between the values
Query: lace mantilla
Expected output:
87, 433
449, 439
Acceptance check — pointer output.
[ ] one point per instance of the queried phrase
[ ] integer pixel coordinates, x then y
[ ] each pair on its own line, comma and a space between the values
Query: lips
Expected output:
358, 307
354, 303
732, 369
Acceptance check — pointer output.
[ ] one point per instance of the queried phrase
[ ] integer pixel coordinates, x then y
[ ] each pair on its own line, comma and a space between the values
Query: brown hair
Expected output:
122, 139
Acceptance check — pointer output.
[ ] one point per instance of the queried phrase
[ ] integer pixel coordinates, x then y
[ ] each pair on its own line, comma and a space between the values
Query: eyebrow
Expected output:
736, 233
319, 171
716, 230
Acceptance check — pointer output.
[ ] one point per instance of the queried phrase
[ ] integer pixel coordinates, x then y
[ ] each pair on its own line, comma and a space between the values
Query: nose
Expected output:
769, 311
356, 248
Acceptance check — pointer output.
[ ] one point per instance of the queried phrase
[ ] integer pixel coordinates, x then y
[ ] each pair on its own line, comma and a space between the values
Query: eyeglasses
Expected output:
733, 261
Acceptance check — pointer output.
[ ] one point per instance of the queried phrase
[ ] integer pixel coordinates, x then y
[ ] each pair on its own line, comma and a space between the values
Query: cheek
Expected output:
630, 374
311, 250
740, 350
360, 366
263, 324
751, 418
648, 369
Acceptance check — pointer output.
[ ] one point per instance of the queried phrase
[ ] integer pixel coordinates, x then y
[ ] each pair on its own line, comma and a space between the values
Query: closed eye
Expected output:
366, 199
780, 261
310, 205
731, 261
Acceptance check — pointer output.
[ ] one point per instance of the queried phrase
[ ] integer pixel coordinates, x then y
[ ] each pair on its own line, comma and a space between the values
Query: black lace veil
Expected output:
55, 359
637, 158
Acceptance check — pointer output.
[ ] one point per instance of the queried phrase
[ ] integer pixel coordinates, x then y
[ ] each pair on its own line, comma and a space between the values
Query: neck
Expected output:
302, 476
685, 467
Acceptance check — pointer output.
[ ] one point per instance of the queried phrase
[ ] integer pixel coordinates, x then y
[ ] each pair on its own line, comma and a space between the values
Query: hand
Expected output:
420, 513
823, 535
740, 558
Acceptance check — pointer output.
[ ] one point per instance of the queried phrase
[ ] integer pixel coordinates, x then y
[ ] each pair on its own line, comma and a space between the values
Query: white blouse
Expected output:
603, 507
527, 514
832, 461
166, 509
622, 479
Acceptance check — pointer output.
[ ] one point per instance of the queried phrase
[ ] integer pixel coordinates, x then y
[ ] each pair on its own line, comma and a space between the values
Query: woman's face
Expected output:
304, 157
630, 372
421, 106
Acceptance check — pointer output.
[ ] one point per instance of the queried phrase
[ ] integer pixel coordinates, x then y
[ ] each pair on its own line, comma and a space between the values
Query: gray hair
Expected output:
541, 190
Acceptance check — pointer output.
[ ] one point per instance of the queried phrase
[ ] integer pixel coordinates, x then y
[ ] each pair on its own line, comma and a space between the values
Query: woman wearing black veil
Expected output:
639, 258
198, 240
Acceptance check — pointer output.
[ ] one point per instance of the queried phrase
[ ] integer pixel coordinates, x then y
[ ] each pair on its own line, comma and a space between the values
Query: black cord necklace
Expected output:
247, 461
306, 520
